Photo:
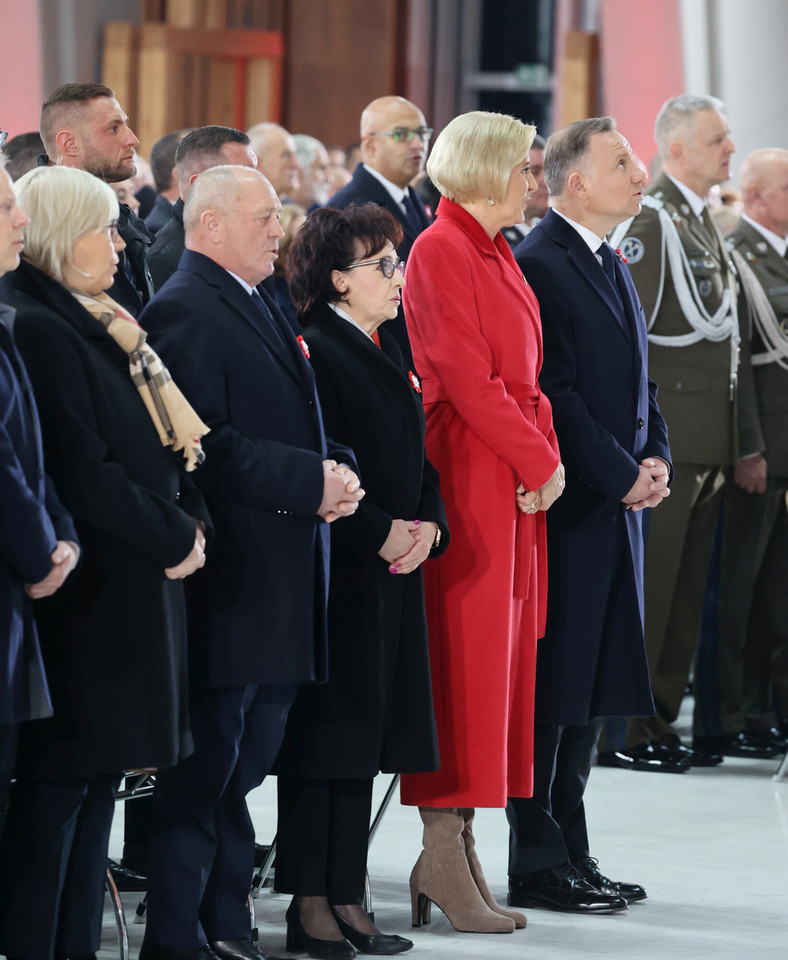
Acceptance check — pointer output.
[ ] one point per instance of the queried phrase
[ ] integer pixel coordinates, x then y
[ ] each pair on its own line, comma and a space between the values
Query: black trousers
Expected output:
322, 837
549, 829
9, 739
52, 865
202, 844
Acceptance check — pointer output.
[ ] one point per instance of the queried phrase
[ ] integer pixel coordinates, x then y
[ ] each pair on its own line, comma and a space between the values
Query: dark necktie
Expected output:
412, 218
605, 251
270, 321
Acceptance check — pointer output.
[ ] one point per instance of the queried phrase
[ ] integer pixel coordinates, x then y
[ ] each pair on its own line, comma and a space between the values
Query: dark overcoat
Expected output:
257, 608
592, 659
32, 520
375, 713
113, 636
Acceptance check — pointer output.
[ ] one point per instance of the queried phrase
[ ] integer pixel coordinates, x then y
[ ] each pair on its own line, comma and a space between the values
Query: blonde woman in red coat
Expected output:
474, 327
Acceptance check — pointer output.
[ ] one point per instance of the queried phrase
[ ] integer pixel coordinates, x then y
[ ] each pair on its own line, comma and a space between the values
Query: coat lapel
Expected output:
588, 265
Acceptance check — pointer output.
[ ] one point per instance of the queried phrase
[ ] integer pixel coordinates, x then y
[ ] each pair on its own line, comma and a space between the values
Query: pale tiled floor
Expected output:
711, 846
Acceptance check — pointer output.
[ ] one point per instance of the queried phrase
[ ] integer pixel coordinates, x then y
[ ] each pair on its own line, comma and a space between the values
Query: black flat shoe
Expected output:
299, 941
588, 868
378, 944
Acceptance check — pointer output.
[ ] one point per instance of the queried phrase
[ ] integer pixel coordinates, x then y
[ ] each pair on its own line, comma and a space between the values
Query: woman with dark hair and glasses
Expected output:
375, 713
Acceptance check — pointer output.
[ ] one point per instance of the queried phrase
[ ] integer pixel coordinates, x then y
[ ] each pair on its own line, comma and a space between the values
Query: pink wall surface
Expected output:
641, 65
21, 81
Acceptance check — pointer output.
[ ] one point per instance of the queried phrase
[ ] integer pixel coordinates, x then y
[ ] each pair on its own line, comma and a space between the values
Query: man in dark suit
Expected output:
738, 688
257, 616
201, 149
394, 140
162, 164
591, 662
83, 126
38, 544
699, 360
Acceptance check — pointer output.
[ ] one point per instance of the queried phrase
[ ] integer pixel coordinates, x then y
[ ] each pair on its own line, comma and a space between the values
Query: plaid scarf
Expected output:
176, 422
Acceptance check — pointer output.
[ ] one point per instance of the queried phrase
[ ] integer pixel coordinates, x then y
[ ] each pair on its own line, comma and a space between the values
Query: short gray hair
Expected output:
567, 147
474, 154
679, 112
219, 188
63, 204
306, 149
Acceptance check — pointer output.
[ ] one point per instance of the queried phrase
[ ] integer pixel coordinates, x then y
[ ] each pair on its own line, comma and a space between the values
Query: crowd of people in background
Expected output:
321, 462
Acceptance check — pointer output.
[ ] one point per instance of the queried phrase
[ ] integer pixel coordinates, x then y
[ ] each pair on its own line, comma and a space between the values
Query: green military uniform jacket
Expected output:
771, 380
707, 425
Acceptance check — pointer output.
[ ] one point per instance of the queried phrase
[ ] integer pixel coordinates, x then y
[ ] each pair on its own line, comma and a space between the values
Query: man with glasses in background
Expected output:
394, 139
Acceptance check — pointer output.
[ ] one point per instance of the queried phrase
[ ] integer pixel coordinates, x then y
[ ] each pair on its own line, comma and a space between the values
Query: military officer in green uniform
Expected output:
739, 689
688, 289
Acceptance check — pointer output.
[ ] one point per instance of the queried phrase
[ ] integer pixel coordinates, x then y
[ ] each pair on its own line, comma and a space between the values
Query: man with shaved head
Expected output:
257, 618
277, 158
744, 694
84, 126
394, 141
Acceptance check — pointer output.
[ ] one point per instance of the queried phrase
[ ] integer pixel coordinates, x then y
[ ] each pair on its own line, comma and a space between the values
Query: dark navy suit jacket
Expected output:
31, 521
592, 660
257, 609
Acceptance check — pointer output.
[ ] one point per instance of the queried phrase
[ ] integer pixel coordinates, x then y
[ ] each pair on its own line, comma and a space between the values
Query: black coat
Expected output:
257, 609
32, 520
591, 661
113, 636
375, 713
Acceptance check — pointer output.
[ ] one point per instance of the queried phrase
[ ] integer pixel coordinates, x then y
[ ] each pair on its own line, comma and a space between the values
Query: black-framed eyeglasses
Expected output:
3, 138
386, 264
405, 134
112, 230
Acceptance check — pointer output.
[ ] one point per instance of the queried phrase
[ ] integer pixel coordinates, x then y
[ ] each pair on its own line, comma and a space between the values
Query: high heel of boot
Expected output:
299, 941
420, 908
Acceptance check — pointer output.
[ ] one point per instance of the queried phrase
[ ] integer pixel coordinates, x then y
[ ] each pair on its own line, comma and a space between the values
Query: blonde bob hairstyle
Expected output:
474, 154
64, 204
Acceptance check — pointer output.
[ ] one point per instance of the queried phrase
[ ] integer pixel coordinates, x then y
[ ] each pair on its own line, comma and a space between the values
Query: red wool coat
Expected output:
476, 337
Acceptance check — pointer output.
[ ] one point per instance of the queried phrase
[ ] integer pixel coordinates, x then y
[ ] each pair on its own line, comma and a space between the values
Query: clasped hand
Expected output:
63, 558
342, 491
408, 544
651, 486
531, 501
195, 558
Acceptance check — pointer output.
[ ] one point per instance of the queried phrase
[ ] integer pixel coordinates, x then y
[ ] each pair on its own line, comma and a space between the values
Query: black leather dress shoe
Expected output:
657, 755
743, 744
378, 944
588, 868
708, 757
239, 950
125, 879
160, 951
561, 888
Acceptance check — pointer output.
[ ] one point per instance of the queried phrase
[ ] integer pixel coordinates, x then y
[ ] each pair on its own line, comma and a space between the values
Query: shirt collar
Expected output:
589, 237
249, 289
396, 192
696, 203
346, 316
779, 243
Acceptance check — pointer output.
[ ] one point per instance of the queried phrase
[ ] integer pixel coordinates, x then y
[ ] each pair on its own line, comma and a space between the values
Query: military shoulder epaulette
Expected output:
654, 203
